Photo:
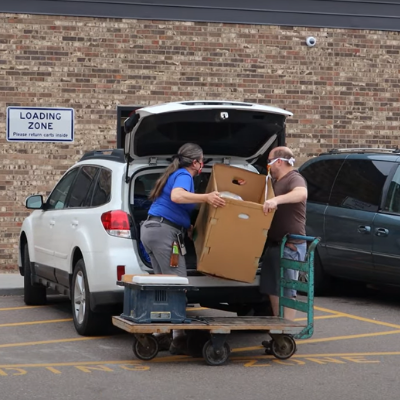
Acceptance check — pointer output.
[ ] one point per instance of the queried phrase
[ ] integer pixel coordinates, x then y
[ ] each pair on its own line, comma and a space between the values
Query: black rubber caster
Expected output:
216, 357
146, 347
283, 347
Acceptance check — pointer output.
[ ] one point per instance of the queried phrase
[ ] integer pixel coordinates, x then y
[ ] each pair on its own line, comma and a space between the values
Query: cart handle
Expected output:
300, 237
314, 241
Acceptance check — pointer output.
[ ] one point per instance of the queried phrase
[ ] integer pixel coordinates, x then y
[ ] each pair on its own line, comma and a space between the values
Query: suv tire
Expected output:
322, 281
34, 295
87, 322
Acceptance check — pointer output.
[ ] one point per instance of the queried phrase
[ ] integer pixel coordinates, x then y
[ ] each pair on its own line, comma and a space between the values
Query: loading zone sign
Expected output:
37, 124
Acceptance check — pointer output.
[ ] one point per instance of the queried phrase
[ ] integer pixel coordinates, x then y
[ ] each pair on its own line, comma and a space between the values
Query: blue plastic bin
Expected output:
148, 303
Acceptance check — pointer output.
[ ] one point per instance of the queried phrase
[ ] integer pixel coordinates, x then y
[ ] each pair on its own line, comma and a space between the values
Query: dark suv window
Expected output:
320, 176
359, 184
102, 189
392, 203
82, 186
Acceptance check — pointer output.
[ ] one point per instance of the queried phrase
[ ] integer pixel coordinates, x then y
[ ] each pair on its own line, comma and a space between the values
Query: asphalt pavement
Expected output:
354, 354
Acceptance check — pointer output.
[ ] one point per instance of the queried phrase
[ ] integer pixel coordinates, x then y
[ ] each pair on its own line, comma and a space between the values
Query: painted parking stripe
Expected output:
80, 339
356, 317
51, 321
329, 339
21, 308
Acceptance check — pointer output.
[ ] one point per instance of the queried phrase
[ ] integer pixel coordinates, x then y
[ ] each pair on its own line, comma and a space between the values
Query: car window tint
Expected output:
58, 196
81, 186
392, 203
88, 200
320, 176
102, 189
359, 184
142, 188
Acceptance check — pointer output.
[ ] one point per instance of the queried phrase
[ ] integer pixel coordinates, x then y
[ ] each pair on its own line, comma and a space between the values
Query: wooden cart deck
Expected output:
218, 325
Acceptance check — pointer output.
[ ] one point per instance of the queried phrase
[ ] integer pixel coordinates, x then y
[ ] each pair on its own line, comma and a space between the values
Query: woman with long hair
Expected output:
169, 215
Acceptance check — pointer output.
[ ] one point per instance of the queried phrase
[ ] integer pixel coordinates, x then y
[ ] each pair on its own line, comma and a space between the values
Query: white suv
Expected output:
86, 235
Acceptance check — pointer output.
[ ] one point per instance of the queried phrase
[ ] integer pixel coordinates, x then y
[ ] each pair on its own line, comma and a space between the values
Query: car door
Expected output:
69, 219
45, 224
386, 233
320, 174
353, 204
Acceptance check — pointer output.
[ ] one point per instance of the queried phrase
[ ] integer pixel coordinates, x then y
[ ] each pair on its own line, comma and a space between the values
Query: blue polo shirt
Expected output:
163, 206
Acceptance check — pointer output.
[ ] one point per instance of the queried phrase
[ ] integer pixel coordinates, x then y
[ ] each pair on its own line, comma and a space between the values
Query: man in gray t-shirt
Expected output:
289, 204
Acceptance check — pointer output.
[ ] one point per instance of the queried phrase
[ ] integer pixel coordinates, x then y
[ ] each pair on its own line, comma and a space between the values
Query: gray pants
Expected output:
157, 238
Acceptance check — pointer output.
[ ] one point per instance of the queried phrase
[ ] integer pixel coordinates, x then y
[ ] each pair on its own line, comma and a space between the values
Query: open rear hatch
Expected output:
223, 129
228, 132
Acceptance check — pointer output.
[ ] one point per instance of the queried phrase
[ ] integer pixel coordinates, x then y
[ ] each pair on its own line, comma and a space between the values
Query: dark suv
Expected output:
354, 206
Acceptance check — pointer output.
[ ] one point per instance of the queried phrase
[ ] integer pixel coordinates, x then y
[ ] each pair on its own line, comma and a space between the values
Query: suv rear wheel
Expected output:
86, 321
34, 295
322, 281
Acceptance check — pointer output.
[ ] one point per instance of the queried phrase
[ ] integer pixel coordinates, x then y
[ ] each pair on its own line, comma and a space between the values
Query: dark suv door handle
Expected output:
381, 232
364, 229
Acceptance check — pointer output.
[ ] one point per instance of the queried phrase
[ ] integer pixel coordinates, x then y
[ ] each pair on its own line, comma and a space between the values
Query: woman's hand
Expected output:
190, 232
215, 200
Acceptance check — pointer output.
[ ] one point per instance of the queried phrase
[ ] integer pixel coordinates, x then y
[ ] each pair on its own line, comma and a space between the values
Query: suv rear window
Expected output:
359, 184
320, 176
223, 132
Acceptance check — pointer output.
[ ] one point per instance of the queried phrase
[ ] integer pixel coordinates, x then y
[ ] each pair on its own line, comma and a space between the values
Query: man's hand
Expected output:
270, 205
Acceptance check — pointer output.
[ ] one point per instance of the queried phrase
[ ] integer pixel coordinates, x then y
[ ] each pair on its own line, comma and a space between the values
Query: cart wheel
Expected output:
196, 341
284, 347
145, 351
212, 358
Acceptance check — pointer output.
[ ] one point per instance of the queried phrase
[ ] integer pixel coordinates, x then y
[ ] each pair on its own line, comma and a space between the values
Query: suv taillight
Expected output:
116, 223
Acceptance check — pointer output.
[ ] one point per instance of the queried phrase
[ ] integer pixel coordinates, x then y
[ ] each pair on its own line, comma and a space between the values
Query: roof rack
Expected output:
364, 150
116, 155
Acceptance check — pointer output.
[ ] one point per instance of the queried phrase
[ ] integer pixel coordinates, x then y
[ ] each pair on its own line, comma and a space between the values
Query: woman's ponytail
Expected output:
185, 157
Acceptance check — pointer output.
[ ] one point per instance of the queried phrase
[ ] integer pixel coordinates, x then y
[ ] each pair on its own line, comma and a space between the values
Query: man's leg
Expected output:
296, 255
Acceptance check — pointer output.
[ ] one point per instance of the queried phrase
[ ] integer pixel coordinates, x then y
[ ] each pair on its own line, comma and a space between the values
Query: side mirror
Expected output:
34, 202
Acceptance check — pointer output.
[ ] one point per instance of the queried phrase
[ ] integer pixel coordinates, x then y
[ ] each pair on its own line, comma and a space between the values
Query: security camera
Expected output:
311, 41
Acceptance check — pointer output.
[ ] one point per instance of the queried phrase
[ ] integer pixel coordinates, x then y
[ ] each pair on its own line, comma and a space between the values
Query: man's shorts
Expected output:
270, 268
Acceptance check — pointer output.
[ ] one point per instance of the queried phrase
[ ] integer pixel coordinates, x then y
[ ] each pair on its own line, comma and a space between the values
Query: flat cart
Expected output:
206, 336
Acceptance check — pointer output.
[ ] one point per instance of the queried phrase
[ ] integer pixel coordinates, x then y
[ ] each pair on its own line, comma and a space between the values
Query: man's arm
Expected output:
297, 195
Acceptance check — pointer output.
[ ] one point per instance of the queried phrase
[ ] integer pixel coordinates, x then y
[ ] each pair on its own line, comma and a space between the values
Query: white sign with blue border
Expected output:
39, 124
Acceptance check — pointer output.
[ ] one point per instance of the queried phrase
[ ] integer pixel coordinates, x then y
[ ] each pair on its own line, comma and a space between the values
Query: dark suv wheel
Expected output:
34, 295
322, 281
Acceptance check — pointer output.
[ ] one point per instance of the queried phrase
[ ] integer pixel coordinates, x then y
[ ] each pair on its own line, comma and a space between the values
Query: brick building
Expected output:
95, 56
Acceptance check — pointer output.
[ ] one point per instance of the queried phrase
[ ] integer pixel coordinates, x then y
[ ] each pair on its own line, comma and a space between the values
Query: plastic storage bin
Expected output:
157, 298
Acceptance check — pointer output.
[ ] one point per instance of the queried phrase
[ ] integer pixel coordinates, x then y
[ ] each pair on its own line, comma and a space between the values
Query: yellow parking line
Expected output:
196, 308
51, 321
51, 341
329, 339
73, 364
371, 321
186, 358
20, 308
321, 317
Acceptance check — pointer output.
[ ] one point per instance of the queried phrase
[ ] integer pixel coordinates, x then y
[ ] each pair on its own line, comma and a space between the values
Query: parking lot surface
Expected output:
353, 354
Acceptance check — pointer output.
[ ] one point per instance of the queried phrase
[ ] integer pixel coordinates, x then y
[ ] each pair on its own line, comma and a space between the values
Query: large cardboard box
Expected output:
229, 241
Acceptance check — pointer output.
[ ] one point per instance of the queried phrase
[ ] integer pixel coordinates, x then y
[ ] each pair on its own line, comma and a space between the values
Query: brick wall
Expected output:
344, 91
